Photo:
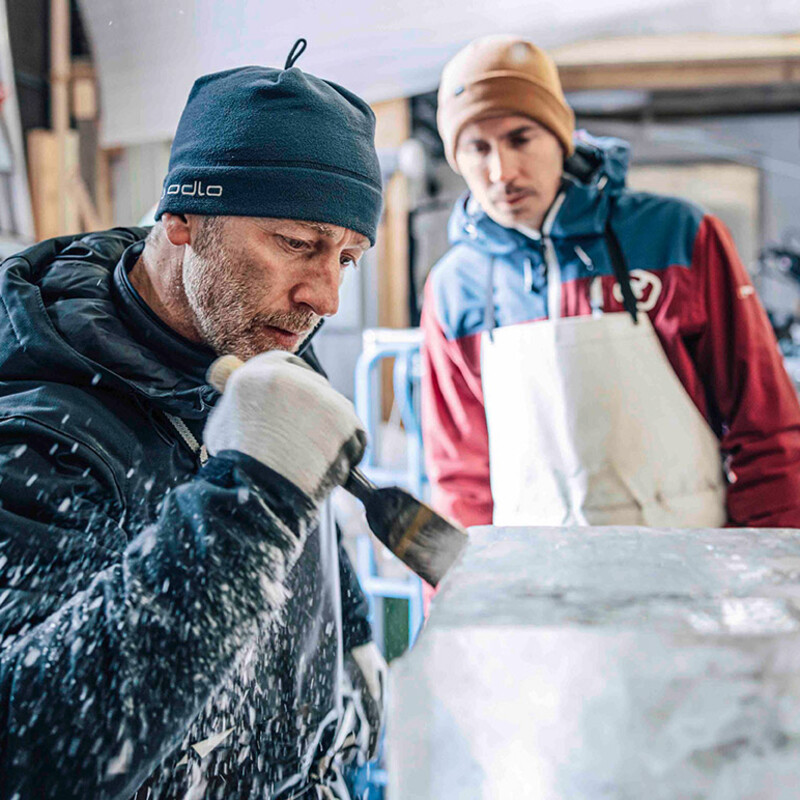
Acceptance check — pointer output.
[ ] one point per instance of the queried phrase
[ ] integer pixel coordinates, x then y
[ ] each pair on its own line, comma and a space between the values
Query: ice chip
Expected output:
121, 763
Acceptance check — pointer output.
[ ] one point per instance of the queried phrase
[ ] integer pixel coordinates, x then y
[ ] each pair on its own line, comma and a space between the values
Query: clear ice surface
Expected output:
599, 663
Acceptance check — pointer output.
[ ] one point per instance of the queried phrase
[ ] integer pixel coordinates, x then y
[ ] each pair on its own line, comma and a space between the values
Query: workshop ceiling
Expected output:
148, 52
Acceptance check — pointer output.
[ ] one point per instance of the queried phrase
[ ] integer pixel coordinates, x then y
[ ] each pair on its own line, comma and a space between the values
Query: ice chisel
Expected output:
422, 539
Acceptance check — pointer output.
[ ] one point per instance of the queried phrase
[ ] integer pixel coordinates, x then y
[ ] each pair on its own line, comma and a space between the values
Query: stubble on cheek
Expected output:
215, 290
226, 297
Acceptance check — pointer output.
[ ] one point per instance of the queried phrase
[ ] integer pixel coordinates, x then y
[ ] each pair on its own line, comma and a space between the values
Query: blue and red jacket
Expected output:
693, 287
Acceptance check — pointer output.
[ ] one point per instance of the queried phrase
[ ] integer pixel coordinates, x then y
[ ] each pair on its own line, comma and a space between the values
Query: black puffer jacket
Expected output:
137, 588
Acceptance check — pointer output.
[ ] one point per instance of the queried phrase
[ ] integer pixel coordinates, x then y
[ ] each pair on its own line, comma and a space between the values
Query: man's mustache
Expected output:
298, 322
501, 193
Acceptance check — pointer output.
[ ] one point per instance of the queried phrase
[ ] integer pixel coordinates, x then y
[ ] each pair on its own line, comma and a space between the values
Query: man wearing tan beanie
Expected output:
593, 355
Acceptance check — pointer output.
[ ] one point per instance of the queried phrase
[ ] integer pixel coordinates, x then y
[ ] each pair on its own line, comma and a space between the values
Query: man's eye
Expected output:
294, 244
349, 260
519, 141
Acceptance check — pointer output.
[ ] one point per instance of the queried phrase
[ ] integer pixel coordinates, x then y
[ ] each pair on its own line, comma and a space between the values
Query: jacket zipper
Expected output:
182, 429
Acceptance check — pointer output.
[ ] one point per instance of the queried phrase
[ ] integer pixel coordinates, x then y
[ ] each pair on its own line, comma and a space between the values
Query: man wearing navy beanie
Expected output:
252, 145
258, 142
188, 625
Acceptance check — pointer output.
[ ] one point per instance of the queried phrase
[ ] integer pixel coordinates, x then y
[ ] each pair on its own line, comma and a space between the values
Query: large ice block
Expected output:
589, 663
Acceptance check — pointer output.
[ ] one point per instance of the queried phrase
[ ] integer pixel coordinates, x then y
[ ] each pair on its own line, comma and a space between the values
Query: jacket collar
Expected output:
65, 312
187, 357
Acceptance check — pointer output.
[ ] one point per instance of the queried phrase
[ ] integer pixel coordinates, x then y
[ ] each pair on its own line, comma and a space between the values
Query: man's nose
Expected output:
319, 286
501, 166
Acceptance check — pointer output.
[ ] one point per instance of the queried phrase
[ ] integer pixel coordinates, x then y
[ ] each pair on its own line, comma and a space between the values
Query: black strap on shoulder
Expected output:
620, 267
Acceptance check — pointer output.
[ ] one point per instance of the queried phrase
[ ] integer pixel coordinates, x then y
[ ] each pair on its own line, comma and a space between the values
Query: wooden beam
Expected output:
84, 99
679, 62
94, 161
686, 75
82, 67
393, 253
105, 202
60, 72
49, 157
43, 181
60, 66
79, 195
393, 127
675, 48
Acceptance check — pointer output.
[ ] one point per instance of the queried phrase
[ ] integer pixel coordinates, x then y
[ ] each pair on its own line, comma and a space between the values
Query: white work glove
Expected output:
281, 412
367, 670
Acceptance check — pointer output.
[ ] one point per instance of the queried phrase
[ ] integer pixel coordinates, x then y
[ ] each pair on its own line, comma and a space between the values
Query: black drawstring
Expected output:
620, 267
298, 48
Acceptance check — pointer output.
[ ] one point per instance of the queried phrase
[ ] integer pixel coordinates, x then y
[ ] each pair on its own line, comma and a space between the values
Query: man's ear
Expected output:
177, 229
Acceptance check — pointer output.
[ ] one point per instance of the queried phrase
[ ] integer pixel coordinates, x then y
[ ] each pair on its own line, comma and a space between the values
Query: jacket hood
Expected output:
69, 314
594, 174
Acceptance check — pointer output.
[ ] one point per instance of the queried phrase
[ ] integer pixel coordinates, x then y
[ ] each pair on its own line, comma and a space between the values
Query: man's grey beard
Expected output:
218, 297
257, 339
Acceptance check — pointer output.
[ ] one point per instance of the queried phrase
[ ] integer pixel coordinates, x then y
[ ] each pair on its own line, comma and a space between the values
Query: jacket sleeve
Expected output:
118, 651
749, 391
454, 429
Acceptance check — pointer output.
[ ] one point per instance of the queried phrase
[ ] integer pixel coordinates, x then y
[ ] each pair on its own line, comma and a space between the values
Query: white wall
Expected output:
137, 174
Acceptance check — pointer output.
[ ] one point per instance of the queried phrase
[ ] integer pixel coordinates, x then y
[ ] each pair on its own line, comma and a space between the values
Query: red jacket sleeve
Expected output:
747, 387
454, 422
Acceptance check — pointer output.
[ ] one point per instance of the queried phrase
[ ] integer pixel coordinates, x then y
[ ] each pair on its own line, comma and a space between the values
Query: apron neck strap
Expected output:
620, 266
489, 317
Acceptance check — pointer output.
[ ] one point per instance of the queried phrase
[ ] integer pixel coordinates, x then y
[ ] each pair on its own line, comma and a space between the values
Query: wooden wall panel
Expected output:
686, 61
49, 157
393, 127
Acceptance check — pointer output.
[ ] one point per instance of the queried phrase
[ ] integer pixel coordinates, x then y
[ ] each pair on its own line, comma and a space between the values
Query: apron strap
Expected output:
489, 318
620, 266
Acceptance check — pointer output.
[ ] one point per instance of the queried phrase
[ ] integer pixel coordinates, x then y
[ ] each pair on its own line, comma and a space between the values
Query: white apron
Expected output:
589, 425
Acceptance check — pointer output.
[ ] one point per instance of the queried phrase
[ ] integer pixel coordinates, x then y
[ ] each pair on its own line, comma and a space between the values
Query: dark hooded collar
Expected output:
189, 358
69, 313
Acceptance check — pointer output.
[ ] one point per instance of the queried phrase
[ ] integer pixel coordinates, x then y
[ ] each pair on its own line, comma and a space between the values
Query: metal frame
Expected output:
404, 346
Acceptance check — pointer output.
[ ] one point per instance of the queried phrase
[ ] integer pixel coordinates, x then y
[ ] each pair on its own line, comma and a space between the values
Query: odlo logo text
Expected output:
194, 189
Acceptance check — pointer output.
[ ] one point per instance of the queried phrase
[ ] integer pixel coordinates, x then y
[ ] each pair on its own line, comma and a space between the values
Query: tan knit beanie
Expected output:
497, 74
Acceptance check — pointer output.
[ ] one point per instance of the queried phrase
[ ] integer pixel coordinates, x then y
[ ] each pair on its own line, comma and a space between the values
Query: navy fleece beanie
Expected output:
263, 142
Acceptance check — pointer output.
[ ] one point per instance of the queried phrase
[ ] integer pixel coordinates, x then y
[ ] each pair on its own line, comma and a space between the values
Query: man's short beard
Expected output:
218, 293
